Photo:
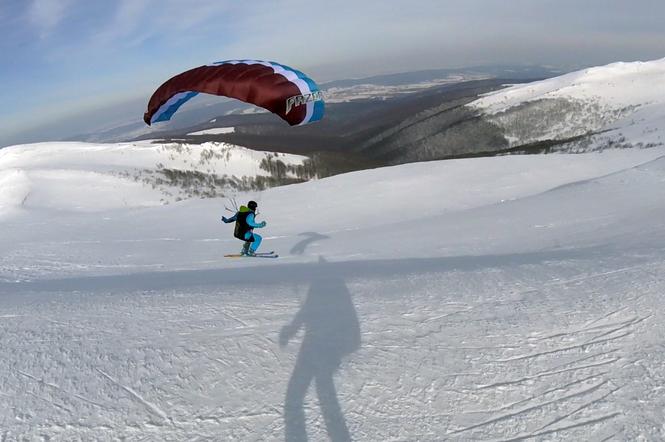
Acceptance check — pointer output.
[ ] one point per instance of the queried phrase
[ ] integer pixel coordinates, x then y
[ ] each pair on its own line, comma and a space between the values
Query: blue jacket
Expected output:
251, 222
245, 223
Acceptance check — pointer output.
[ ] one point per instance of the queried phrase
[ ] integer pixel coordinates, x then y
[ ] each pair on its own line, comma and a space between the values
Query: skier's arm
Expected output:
230, 220
251, 222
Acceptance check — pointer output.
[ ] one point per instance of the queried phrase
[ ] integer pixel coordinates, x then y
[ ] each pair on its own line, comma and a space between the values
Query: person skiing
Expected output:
244, 228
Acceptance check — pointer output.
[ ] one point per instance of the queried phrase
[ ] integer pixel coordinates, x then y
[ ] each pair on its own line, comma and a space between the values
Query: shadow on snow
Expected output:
332, 331
277, 273
327, 315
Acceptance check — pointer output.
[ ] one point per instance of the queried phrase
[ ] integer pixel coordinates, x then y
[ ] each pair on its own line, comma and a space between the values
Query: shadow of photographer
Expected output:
332, 331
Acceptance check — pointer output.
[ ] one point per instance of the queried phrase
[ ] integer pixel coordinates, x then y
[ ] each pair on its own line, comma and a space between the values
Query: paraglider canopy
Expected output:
280, 89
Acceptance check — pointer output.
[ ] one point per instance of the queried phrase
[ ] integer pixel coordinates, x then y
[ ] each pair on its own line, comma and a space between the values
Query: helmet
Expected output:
252, 205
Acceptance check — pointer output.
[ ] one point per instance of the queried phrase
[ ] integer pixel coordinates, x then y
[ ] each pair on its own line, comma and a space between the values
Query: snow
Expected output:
477, 299
214, 131
620, 101
98, 177
616, 85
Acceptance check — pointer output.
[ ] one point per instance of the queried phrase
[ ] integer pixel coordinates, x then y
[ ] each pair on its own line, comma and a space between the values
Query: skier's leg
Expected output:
246, 247
257, 242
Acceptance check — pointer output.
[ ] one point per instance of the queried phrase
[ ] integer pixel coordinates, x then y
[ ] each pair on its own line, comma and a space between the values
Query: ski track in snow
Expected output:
505, 331
447, 356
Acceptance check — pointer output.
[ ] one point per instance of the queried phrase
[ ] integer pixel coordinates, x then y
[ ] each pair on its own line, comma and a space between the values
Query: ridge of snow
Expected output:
621, 104
616, 85
94, 177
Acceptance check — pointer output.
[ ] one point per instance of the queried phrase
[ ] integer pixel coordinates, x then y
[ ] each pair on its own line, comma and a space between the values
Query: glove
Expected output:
225, 219
263, 224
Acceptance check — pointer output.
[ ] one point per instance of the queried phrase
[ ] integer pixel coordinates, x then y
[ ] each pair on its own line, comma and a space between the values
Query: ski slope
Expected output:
505, 298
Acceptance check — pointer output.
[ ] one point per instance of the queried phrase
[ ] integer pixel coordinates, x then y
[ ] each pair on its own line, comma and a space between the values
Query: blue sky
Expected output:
60, 58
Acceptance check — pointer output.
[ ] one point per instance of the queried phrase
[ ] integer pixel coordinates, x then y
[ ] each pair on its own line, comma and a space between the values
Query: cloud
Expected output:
70, 51
136, 21
45, 15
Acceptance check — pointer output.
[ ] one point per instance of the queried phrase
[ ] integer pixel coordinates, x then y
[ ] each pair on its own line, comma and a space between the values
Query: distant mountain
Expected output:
441, 114
621, 105
201, 111
405, 78
618, 105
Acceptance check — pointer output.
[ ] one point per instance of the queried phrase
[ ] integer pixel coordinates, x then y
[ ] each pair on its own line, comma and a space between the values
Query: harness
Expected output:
241, 227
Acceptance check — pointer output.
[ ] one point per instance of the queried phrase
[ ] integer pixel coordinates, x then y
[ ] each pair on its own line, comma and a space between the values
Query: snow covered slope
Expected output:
93, 177
505, 298
623, 103
215, 131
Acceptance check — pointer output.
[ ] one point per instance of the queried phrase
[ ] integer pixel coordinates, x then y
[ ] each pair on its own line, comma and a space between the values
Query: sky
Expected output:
63, 60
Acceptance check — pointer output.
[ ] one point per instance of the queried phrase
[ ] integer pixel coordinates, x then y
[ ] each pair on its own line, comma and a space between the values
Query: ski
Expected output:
258, 255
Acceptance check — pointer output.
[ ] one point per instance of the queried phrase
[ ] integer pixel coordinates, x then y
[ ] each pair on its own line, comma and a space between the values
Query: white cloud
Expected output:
45, 15
124, 24
137, 20
182, 15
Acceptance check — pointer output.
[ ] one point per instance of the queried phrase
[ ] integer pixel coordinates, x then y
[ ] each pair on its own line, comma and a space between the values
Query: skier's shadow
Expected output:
332, 331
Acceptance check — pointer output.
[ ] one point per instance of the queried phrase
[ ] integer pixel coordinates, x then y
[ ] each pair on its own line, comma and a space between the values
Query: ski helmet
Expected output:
252, 205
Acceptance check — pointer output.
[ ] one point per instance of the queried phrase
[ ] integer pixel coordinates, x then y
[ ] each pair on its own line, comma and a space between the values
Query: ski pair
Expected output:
270, 254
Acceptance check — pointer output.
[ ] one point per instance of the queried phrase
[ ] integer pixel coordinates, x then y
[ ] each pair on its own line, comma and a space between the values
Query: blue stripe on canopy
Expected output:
319, 109
319, 106
170, 109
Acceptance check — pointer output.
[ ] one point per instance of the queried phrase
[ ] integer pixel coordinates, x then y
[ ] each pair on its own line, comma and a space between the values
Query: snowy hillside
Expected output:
215, 131
622, 104
506, 298
93, 177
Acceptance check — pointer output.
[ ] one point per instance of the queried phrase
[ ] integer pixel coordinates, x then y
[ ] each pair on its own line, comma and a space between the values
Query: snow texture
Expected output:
503, 298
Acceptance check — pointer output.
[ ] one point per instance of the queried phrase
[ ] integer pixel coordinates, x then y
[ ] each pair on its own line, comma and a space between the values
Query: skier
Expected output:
244, 228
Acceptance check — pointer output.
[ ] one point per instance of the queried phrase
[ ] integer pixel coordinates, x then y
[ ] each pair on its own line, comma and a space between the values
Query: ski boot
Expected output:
245, 248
